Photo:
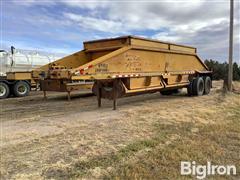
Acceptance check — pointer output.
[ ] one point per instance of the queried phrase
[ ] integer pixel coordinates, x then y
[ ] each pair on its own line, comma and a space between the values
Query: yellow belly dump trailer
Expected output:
129, 65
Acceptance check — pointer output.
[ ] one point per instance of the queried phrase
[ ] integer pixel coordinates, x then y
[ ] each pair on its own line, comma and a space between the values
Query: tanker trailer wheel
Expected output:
21, 88
198, 86
207, 85
4, 90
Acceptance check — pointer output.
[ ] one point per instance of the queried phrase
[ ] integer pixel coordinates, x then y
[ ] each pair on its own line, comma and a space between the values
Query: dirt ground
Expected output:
51, 139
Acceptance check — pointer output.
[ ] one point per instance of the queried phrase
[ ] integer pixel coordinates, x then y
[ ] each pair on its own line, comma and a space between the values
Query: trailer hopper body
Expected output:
130, 65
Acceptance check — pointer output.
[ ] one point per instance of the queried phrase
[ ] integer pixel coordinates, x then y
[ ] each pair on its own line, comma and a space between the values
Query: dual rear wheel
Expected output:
4, 90
199, 86
19, 89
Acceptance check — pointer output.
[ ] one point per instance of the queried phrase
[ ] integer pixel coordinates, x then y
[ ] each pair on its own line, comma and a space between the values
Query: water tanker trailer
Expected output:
132, 65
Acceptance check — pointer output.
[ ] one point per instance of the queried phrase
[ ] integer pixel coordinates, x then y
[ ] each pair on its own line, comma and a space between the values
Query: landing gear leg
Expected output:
69, 95
99, 95
115, 82
114, 104
44, 95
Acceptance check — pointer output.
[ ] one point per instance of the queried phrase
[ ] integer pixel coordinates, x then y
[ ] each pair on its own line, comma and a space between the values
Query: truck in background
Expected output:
15, 72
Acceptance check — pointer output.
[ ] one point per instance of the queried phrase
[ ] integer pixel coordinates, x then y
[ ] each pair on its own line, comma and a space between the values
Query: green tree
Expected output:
236, 72
220, 70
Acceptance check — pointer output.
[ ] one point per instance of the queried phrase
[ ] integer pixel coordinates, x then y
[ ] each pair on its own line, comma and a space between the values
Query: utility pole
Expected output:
230, 66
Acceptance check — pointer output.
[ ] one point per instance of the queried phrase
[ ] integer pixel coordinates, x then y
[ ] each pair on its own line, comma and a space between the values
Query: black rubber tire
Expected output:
4, 90
198, 86
190, 88
207, 85
25, 88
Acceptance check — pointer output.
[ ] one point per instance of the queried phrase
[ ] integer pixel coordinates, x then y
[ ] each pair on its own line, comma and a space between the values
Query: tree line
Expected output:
220, 70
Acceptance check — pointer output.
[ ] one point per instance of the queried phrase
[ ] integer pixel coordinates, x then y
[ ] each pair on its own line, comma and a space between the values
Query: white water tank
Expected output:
24, 60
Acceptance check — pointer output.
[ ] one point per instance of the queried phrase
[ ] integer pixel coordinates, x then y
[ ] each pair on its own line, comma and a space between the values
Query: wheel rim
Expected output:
22, 89
2, 90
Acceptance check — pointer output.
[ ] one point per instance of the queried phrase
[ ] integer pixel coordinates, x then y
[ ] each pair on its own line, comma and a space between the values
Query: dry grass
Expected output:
159, 157
218, 143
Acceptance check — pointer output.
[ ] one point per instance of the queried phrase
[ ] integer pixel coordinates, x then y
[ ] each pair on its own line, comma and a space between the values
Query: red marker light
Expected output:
81, 71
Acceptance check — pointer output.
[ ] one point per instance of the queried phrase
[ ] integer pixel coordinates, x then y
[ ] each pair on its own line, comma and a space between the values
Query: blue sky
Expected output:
61, 26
